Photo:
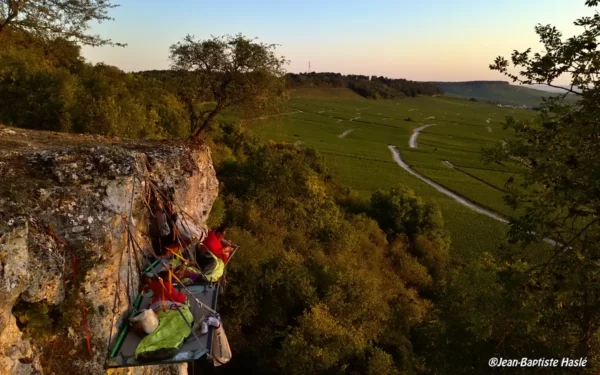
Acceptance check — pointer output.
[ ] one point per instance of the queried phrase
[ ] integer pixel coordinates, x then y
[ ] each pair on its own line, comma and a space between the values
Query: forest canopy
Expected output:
370, 87
319, 289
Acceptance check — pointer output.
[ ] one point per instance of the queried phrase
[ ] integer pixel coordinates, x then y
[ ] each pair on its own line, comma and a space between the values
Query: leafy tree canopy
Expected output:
68, 19
317, 290
561, 192
231, 71
370, 87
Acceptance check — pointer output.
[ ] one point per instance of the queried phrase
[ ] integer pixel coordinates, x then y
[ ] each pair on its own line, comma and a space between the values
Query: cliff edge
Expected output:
64, 202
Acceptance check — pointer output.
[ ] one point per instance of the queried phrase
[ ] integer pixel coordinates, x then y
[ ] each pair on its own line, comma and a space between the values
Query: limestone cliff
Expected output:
63, 200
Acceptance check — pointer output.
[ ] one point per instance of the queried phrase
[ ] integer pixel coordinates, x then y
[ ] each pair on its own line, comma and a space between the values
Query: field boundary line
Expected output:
457, 168
465, 202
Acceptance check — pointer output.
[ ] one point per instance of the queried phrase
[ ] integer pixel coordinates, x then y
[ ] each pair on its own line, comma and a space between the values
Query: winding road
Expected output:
412, 142
398, 159
465, 202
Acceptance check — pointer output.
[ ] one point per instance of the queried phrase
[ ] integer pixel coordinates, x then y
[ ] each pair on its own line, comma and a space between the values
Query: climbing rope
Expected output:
132, 248
117, 298
157, 191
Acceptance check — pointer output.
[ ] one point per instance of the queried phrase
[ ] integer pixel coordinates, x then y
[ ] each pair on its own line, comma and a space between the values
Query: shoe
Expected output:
212, 321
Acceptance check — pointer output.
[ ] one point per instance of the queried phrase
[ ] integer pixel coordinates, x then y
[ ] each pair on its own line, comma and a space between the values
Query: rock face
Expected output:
64, 200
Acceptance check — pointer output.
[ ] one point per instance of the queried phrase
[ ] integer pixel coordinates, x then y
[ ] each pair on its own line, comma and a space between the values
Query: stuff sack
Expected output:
220, 351
145, 322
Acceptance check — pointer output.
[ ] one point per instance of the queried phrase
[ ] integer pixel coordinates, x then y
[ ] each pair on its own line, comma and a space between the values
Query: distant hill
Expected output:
324, 93
552, 89
497, 92
370, 87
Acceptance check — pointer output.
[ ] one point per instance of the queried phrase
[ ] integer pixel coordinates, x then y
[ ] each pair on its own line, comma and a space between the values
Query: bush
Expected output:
313, 277
217, 213
44, 84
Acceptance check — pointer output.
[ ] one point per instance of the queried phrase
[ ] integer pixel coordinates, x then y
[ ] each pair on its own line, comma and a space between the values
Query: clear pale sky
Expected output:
441, 40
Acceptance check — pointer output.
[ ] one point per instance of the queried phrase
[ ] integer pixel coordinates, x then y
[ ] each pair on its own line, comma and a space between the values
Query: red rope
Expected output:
88, 337
75, 270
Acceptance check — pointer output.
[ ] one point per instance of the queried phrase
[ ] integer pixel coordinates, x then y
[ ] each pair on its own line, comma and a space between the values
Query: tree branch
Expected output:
564, 247
13, 12
569, 90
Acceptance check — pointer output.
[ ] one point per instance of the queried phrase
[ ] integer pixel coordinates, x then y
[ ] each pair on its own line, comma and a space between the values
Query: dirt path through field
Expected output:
398, 159
413, 138
344, 134
465, 202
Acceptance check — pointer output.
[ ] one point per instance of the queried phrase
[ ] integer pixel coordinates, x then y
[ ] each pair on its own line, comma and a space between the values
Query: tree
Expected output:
560, 192
37, 90
401, 213
231, 71
68, 19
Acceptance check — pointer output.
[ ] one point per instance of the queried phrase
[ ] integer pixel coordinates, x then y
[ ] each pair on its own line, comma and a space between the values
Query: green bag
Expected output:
165, 341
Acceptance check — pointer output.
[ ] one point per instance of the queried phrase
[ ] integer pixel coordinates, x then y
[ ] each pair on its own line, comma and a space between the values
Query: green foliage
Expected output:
400, 212
36, 319
36, 93
232, 71
474, 311
107, 105
369, 87
315, 289
217, 213
44, 84
67, 19
526, 299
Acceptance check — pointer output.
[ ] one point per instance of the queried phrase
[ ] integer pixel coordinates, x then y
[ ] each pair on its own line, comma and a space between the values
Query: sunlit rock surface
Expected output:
63, 201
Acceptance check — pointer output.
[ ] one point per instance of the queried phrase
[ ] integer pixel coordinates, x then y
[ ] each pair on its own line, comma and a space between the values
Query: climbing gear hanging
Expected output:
202, 298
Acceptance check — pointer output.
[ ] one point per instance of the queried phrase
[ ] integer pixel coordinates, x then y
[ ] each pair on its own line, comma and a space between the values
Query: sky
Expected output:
423, 40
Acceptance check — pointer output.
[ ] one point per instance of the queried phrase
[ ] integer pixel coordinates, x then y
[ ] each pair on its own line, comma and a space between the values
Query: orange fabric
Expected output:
173, 248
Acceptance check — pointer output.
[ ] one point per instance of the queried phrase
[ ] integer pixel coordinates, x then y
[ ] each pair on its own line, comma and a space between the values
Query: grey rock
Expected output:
38, 200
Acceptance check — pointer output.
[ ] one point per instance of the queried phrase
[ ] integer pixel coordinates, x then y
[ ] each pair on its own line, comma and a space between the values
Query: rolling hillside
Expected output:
496, 91
354, 135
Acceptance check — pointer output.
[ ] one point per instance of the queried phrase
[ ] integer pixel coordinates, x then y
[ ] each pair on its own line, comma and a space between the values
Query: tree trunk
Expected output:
206, 122
193, 125
589, 326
